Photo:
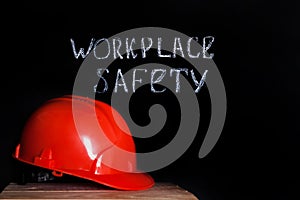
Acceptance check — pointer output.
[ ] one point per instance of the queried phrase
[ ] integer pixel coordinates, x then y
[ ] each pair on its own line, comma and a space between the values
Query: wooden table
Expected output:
161, 191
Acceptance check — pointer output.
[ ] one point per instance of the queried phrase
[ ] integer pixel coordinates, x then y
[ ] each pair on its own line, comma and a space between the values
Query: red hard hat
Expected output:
52, 140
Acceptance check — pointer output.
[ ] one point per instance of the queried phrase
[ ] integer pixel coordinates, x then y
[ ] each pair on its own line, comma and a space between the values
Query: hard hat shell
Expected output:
51, 139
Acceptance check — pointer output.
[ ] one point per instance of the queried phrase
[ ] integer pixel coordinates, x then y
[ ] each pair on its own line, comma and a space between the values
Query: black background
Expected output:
257, 153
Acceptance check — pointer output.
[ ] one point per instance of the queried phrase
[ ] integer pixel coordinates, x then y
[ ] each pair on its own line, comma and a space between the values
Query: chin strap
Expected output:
33, 175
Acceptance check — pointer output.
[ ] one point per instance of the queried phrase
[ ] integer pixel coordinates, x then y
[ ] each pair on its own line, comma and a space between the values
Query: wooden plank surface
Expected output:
44, 191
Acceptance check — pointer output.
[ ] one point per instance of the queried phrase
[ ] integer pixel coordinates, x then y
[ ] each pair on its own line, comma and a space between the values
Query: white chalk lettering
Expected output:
201, 82
159, 40
177, 76
117, 49
99, 74
118, 77
205, 47
108, 48
81, 50
144, 48
159, 79
189, 47
176, 48
136, 80
145, 45
129, 49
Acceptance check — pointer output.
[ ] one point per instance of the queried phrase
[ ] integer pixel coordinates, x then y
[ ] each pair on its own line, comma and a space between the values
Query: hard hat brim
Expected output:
121, 181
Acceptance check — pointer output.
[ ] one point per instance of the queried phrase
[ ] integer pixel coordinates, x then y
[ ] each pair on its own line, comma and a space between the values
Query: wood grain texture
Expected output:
44, 191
